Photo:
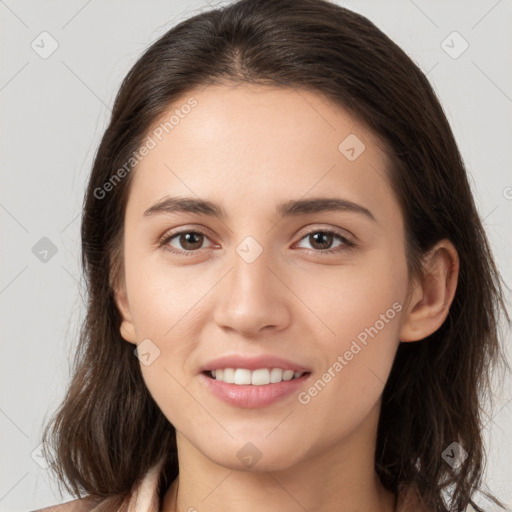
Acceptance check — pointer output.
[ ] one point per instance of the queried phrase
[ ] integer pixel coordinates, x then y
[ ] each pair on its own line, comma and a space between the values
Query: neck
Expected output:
341, 478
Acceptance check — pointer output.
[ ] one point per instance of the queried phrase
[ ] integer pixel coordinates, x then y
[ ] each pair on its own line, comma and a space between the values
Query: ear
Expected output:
430, 299
127, 328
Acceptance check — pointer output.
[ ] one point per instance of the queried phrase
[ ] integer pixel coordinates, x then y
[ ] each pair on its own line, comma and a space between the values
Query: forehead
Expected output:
257, 145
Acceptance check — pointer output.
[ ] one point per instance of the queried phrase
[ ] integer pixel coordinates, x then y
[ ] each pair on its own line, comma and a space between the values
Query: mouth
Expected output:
257, 377
251, 389
253, 381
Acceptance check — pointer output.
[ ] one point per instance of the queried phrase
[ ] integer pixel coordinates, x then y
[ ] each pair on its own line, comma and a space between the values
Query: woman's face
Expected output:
256, 288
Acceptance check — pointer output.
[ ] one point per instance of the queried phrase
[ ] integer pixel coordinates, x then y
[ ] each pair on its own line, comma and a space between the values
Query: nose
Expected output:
253, 298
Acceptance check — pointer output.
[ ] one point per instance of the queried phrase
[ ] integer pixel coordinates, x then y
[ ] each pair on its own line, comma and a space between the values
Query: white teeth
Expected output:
242, 376
259, 377
276, 375
288, 374
229, 375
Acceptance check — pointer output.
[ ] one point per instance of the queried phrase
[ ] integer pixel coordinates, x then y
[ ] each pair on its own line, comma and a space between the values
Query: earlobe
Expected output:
432, 297
127, 328
128, 332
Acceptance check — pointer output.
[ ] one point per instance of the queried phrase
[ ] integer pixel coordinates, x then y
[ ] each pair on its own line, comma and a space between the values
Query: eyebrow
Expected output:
286, 209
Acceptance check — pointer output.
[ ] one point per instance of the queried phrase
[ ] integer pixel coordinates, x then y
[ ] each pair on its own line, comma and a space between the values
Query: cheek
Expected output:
162, 297
350, 299
362, 309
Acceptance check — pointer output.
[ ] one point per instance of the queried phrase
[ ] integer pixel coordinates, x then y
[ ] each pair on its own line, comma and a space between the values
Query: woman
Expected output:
279, 226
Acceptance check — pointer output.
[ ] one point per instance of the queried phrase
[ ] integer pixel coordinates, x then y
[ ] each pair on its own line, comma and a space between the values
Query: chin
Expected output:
258, 455
273, 463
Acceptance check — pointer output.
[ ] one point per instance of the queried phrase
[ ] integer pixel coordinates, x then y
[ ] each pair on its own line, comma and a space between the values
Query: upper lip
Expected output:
253, 363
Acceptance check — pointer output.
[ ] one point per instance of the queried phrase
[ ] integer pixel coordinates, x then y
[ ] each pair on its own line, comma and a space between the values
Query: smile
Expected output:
258, 377
261, 387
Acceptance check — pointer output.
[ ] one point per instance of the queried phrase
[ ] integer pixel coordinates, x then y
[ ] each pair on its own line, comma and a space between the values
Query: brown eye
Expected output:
191, 240
184, 242
321, 239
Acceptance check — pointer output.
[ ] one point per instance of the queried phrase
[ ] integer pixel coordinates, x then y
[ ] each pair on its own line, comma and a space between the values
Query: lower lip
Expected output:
250, 396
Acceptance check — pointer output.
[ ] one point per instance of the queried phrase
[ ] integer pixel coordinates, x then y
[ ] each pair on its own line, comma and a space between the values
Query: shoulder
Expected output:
143, 497
86, 504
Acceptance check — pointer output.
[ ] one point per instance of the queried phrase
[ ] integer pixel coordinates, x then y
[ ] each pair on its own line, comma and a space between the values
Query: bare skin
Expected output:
248, 149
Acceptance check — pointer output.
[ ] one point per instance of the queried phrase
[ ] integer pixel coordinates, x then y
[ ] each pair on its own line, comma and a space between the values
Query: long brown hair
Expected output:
436, 390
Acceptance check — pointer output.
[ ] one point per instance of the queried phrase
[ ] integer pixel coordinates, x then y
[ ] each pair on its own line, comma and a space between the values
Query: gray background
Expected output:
53, 113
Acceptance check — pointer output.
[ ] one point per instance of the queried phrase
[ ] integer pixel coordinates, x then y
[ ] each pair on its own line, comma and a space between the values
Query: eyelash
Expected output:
347, 244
